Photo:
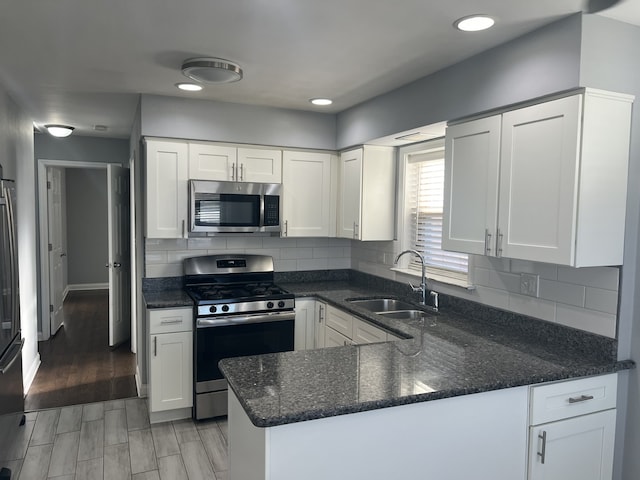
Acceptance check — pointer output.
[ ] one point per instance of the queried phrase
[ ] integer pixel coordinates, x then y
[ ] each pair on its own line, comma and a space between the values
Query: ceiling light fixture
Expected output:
321, 102
60, 131
211, 70
474, 23
189, 87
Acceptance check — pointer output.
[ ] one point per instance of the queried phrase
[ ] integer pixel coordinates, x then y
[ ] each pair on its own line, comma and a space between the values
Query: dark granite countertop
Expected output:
168, 298
456, 352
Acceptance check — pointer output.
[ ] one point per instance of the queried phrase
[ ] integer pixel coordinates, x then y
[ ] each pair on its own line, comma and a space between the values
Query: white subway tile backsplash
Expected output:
329, 252
178, 256
166, 244
545, 270
492, 263
164, 270
277, 242
313, 242
338, 263
589, 320
296, 253
155, 256
499, 280
272, 252
562, 292
533, 307
605, 301
312, 264
281, 265
206, 243
598, 277
235, 243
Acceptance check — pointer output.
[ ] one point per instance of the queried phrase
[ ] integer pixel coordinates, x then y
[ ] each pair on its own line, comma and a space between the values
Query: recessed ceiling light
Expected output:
189, 87
59, 130
211, 70
474, 23
322, 102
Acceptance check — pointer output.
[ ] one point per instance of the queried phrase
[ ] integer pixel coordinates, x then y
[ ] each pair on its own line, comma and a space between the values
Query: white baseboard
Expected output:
29, 376
65, 293
170, 415
88, 286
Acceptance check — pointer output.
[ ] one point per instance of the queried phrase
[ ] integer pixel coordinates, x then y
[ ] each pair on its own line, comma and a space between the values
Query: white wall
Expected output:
16, 154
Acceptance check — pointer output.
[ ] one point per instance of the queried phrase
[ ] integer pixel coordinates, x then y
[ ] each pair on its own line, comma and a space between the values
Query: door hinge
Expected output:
48, 185
50, 247
51, 308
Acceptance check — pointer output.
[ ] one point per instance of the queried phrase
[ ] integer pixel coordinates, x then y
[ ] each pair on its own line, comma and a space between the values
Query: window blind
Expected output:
425, 197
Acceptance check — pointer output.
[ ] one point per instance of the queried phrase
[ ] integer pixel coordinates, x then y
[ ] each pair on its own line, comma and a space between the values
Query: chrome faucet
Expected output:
423, 284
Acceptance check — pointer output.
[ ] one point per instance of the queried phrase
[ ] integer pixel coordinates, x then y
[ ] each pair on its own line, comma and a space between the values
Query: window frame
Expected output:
404, 219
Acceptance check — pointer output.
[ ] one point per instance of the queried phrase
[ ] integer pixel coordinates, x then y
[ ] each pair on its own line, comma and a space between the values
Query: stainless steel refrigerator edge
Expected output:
11, 389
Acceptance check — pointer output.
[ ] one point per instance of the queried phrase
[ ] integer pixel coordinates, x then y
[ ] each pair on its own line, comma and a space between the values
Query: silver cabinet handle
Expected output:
183, 229
355, 230
286, 228
155, 346
241, 171
116, 265
499, 246
320, 311
487, 242
170, 322
233, 171
581, 398
543, 454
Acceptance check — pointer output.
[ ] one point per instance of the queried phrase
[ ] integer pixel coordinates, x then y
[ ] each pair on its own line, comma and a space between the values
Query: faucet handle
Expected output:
434, 296
416, 289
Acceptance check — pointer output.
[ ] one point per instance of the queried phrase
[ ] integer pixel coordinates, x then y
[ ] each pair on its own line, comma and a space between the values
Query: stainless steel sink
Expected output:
378, 305
406, 314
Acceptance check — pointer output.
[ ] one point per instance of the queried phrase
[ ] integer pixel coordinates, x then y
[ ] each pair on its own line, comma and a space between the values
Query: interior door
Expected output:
118, 196
57, 254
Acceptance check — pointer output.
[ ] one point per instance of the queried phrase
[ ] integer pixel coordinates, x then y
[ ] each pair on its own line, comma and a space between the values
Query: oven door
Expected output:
234, 337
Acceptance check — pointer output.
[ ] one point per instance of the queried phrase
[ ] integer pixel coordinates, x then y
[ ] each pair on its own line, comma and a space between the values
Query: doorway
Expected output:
79, 237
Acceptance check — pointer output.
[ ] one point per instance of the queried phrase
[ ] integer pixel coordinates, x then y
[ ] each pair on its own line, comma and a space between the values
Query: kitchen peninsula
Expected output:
453, 398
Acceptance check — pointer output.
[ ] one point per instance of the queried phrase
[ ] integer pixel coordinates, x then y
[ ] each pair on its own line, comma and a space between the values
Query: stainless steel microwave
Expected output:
228, 207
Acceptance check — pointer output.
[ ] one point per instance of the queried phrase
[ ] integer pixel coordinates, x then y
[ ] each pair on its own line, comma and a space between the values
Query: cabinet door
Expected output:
538, 181
364, 332
171, 371
259, 165
340, 321
580, 447
335, 339
472, 159
211, 162
320, 318
166, 182
350, 194
306, 194
304, 324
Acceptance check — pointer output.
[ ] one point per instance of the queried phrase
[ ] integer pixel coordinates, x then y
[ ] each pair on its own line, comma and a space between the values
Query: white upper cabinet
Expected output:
166, 188
561, 194
210, 161
366, 204
308, 194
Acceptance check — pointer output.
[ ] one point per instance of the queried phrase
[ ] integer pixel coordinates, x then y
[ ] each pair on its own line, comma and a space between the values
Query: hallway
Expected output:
77, 364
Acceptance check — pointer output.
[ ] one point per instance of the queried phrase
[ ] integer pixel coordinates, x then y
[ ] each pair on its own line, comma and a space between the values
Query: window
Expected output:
424, 196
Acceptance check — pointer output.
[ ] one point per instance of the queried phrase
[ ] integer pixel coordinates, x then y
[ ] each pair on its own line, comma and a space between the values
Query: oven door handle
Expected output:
243, 319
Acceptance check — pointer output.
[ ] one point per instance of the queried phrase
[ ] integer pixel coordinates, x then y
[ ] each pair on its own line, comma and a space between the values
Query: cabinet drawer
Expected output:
335, 339
340, 321
364, 332
571, 398
167, 320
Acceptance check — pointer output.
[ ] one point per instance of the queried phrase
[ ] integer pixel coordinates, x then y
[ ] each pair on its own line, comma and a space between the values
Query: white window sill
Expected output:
438, 277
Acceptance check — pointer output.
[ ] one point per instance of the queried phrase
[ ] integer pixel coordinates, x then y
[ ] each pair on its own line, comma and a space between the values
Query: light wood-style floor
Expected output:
113, 440
77, 364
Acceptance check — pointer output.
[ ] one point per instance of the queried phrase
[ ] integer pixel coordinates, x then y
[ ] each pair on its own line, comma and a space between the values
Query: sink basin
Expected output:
406, 314
378, 305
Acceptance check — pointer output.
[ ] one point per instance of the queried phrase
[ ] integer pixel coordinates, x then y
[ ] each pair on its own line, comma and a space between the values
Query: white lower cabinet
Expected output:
305, 324
344, 329
170, 353
576, 439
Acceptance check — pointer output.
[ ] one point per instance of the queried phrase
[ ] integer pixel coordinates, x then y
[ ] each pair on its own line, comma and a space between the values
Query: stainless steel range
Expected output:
238, 311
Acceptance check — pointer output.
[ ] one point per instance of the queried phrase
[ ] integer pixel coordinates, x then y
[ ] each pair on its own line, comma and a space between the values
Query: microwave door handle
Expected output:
261, 210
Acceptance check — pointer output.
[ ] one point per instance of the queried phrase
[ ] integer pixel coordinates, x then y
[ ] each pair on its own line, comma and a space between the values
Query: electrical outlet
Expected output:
529, 284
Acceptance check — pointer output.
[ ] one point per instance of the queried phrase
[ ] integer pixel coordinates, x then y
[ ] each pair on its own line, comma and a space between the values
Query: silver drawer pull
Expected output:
543, 453
170, 322
581, 398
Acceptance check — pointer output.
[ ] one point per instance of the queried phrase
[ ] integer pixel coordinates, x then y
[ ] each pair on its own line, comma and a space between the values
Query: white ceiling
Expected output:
84, 62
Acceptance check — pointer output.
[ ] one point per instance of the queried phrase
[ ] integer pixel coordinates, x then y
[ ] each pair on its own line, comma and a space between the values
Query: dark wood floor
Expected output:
77, 364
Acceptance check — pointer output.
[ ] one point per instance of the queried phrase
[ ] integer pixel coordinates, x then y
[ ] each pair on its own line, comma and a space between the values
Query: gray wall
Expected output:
544, 61
81, 149
16, 156
232, 122
87, 225
610, 61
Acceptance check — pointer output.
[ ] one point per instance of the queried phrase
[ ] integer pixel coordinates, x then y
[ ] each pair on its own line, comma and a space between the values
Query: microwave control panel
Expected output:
271, 210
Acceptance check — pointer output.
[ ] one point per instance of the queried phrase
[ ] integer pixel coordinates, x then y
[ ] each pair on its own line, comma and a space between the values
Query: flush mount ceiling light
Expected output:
211, 70
474, 23
321, 102
189, 87
60, 131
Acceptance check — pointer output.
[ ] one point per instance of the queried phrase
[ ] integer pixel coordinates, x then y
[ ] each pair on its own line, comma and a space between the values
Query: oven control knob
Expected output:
281, 304
269, 304
225, 308
213, 309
